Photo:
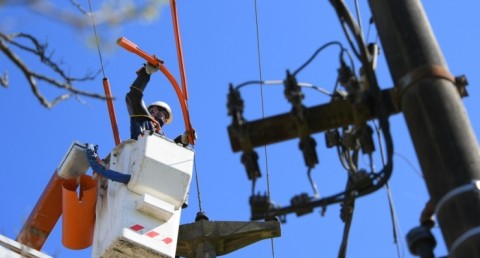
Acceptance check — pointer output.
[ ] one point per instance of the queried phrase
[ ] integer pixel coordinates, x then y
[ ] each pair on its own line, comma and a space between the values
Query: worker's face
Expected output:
160, 114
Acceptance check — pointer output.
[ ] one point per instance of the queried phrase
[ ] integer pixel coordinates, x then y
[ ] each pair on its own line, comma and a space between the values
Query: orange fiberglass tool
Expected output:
182, 95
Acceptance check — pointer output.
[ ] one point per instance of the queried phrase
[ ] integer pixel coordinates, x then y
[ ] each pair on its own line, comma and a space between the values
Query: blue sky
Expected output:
220, 47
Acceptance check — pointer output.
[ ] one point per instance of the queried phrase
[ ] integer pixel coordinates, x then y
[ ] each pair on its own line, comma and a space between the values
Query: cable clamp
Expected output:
423, 72
473, 186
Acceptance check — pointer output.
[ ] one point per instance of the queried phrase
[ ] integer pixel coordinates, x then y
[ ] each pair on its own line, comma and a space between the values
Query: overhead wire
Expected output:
263, 112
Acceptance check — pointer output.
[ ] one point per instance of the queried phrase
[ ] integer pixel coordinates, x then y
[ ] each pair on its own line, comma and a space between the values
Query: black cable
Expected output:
316, 53
346, 18
248, 83
393, 213
352, 64
350, 42
348, 208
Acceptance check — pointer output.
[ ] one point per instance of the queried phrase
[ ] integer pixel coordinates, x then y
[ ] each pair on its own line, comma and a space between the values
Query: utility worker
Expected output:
153, 117
142, 118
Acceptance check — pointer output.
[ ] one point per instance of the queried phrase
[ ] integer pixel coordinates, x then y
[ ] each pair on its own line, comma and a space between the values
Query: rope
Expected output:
197, 182
96, 38
106, 84
263, 110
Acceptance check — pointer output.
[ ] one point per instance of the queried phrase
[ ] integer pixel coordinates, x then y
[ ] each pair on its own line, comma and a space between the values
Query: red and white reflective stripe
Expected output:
152, 234
157, 236
136, 227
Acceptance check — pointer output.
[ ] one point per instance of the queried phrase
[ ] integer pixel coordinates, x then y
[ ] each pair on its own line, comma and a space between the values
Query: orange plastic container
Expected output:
78, 209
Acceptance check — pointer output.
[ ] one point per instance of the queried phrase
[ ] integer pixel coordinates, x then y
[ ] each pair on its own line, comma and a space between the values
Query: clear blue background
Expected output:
220, 47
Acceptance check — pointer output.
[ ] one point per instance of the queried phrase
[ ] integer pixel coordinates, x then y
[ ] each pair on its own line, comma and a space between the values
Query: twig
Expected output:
38, 49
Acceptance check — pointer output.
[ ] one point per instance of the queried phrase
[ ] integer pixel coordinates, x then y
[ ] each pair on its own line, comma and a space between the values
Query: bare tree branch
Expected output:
111, 13
4, 80
32, 76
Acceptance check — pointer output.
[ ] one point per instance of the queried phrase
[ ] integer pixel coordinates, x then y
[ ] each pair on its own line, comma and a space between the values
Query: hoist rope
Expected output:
263, 109
197, 183
96, 37
106, 84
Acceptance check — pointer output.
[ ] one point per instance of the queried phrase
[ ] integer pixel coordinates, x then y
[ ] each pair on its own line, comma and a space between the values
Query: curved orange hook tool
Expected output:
132, 47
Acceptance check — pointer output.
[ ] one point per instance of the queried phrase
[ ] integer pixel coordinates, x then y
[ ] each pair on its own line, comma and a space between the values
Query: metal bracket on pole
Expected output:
319, 118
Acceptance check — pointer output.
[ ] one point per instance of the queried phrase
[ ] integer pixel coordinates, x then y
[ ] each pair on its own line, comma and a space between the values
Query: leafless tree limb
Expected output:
4, 80
36, 48
112, 13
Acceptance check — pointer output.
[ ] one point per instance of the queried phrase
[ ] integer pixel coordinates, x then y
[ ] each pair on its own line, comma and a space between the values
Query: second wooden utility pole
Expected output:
445, 143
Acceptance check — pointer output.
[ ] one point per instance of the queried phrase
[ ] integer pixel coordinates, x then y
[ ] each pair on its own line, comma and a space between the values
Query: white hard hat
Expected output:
166, 107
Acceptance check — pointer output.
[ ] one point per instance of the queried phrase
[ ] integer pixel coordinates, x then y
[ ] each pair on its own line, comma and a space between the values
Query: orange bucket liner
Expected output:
78, 209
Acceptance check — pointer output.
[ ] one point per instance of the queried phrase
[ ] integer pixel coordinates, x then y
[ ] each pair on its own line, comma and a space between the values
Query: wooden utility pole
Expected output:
444, 141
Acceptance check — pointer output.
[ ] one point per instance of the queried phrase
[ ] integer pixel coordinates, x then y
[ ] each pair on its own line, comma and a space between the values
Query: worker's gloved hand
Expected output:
92, 156
92, 149
93, 160
184, 137
149, 68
